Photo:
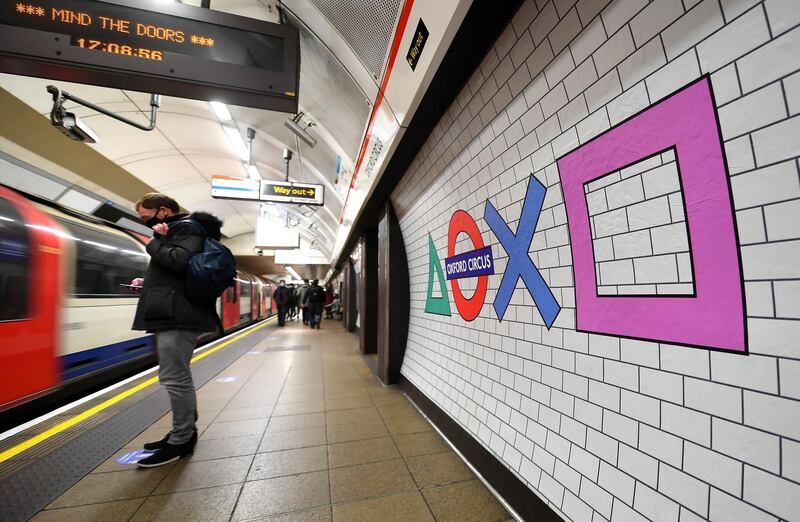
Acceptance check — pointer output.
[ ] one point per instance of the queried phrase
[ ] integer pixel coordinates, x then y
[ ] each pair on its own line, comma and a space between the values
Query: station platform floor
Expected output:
297, 428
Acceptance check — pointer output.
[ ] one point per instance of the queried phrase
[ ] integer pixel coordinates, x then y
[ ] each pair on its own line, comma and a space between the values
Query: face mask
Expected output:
153, 221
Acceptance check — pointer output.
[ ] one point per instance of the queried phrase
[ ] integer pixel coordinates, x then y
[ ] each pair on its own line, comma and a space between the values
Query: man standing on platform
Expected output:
283, 298
176, 321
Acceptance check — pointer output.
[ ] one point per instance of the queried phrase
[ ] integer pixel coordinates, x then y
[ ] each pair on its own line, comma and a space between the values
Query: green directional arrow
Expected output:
436, 305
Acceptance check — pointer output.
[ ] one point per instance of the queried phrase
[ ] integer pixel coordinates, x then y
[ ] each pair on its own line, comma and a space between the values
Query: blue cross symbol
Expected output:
519, 262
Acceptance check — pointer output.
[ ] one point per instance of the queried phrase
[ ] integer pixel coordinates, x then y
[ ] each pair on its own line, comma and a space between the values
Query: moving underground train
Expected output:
65, 314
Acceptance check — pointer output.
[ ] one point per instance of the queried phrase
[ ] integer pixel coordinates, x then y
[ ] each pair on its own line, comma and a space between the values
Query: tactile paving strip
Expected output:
31, 488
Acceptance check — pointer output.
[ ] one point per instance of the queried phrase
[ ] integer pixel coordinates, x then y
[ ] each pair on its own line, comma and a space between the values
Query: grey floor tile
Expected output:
288, 462
311, 515
396, 508
187, 475
274, 496
464, 501
354, 416
296, 422
210, 504
360, 431
437, 469
107, 487
233, 413
283, 440
225, 448
107, 512
423, 443
362, 452
222, 430
370, 480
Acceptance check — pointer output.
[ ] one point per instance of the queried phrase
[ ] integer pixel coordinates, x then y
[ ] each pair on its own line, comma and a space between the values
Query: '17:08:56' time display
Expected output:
115, 48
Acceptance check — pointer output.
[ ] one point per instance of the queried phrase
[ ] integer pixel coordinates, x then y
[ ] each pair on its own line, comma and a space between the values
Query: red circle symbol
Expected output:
463, 222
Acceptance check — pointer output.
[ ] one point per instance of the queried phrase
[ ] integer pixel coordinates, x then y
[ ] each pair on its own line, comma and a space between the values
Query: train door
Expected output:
230, 306
258, 292
256, 284
264, 299
31, 283
245, 298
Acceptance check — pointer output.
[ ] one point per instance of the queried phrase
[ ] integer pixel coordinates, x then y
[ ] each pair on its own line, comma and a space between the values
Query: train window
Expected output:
103, 262
14, 264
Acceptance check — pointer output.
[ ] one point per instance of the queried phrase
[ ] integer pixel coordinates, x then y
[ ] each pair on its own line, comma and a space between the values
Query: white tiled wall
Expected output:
604, 428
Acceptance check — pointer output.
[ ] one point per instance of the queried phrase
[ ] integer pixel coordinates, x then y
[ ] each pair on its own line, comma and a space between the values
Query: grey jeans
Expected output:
175, 349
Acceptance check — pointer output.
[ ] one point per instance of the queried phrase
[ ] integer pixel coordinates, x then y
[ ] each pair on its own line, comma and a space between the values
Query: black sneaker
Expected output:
157, 445
168, 453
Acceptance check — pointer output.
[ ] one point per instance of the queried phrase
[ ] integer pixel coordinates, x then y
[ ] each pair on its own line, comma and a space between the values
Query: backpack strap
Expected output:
196, 225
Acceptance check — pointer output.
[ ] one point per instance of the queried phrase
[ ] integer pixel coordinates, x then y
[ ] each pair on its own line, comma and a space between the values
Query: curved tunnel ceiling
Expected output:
341, 58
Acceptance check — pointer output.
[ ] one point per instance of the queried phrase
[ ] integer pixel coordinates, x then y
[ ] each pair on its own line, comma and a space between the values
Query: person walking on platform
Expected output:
292, 303
301, 299
283, 299
176, 321
315, 297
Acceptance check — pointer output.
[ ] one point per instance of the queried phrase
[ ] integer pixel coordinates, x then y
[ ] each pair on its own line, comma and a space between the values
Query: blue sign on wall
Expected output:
470, 264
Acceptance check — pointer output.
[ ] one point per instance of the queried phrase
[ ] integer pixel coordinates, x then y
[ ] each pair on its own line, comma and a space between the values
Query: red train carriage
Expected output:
64, 315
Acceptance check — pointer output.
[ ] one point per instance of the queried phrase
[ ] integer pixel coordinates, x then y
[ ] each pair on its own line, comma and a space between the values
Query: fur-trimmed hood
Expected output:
211, 223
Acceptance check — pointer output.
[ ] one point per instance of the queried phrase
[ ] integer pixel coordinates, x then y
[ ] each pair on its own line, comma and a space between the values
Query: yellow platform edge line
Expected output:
55, 430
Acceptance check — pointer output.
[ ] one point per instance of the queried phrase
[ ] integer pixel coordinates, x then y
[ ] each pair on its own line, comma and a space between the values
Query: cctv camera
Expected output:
75, 129
287, 154
301, 132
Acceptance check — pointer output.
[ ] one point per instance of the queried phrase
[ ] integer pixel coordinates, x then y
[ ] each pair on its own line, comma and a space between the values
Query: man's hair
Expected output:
305, 281
315, 282
283, 281
156, 200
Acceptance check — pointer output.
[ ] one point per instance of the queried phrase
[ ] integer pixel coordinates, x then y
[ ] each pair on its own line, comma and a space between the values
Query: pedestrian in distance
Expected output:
293, 302
315, 298
283, 298
301, 299
176, 320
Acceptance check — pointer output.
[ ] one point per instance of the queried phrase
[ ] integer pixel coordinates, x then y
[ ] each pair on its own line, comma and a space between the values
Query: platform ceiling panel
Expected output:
341, 107
366, 25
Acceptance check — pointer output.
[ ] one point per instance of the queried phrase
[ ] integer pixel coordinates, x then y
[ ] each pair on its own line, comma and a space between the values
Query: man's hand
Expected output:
136, 285
161, 228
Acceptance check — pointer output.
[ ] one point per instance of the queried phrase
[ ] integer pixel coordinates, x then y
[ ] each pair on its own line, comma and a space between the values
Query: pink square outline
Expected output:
715, 316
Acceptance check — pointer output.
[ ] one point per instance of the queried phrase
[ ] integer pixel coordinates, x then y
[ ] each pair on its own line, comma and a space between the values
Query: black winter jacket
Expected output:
163, 304
315, 295
283, 296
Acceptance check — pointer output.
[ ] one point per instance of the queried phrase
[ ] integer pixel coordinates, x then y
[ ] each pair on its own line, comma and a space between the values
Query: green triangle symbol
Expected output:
436, 305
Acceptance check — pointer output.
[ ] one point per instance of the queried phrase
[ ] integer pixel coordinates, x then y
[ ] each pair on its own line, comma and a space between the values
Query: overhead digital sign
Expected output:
229, 187
287, 192
170, 49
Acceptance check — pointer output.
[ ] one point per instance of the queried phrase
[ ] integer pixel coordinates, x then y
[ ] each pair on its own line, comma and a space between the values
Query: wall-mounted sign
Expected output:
165, 48
479, 262
417, 45
287, 192
470, 264
229, 187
